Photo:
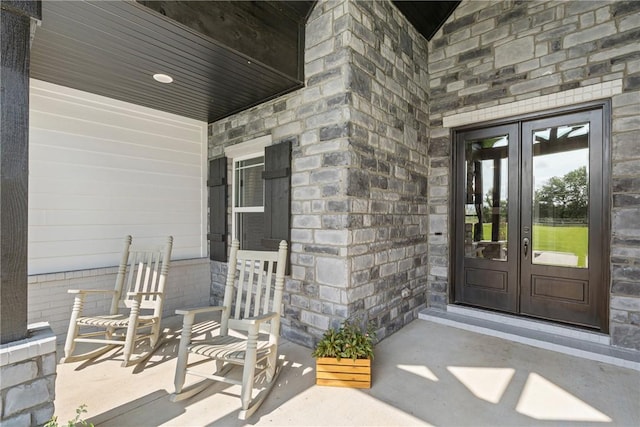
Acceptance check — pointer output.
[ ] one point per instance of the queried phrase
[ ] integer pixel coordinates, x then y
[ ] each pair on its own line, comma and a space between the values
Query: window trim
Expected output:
237, 153
248, 148
235, 210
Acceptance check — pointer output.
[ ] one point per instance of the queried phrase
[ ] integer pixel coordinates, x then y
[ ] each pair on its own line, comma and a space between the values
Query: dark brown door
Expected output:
529, 218
487, 217
562, 222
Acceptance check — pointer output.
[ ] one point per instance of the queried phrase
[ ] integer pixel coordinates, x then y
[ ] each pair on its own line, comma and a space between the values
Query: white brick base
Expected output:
188, 285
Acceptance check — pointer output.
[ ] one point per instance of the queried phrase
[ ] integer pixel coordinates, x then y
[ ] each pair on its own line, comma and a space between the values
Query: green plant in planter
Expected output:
77, 421
349, 341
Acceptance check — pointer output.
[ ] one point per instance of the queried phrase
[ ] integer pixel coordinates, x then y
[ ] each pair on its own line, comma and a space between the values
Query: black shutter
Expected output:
217, 184
277, 194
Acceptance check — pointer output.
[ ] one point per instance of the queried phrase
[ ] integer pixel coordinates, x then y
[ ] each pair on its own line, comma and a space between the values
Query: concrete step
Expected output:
566, 340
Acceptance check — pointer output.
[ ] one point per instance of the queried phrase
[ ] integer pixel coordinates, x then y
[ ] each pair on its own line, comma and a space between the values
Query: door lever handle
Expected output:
525, 244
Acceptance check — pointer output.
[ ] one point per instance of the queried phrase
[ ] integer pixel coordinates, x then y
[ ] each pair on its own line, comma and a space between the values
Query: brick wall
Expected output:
498, 53
187, 286
358, 170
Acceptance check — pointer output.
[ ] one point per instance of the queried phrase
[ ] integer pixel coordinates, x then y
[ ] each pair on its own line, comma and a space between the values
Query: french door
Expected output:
530, 219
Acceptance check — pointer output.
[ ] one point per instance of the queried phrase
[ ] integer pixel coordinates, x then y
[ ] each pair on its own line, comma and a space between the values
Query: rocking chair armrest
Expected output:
256, 320
188, 318
91, 291
198, 310
252, 324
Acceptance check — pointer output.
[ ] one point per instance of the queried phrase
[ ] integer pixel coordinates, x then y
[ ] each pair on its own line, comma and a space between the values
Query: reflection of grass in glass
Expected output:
573, 240
486, 231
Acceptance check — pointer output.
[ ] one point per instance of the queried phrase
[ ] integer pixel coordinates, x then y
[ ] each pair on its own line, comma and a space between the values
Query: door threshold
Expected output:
563, 339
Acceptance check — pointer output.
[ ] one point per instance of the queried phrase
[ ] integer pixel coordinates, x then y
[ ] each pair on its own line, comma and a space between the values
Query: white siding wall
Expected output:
101, 169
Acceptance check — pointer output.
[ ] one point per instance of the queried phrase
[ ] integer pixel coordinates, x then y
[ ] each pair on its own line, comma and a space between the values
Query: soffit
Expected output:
112, 48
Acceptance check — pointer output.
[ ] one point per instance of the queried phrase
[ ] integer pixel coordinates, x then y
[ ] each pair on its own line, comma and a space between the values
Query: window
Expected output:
248, 202
260, 199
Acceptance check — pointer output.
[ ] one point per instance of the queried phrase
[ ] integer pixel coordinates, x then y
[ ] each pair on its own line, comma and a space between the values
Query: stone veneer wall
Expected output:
28, 376
359, 219
388, 158
498, 52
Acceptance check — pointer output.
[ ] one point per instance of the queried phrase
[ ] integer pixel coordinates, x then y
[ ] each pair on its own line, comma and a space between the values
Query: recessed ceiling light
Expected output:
162, 78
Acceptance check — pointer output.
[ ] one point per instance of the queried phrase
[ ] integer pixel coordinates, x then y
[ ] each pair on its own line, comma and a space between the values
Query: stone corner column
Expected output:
28, 371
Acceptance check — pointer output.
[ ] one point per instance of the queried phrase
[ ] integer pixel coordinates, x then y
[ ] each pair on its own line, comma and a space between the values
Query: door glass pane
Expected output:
486, 197
561, 195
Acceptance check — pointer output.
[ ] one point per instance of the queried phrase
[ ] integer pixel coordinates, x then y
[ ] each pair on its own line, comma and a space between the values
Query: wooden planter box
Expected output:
345, 373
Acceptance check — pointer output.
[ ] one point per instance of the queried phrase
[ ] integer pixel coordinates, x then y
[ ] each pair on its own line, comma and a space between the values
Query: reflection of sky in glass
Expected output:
487, 172
557, 164
547, 166
563, 130
502, 142
487, 178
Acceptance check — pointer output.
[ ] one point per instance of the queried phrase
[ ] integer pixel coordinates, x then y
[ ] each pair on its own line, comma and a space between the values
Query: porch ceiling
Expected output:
224, 56
112, 48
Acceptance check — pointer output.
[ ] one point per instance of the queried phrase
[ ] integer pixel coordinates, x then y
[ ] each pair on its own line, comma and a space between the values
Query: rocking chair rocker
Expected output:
256, 314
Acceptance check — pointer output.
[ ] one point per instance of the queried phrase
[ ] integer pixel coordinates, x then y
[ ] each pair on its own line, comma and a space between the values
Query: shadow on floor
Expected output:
425, 374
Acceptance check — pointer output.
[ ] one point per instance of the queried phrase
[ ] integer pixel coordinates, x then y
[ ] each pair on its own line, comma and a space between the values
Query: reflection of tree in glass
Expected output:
564, 197
488, 209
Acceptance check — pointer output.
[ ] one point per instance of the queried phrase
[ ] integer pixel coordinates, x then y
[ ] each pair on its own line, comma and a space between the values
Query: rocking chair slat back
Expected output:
122, 275
240, 290
267, 296
252, 286
146, 271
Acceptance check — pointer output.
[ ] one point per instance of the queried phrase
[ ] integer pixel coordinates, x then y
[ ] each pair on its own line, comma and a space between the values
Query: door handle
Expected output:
525, 244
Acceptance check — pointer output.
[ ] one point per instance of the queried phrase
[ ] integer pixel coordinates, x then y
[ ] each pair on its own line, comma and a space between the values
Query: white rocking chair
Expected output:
257, 313
140, 285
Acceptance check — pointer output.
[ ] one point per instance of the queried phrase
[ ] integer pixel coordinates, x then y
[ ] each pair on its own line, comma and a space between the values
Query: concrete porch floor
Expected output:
425, 374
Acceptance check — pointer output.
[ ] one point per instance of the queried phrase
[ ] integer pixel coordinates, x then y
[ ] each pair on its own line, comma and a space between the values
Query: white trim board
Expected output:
248, 148
539, 103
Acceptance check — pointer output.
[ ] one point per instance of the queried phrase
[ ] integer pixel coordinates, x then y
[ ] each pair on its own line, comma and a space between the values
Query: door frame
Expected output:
604, 239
